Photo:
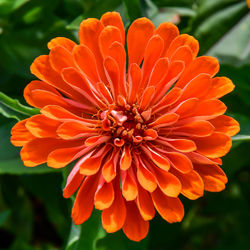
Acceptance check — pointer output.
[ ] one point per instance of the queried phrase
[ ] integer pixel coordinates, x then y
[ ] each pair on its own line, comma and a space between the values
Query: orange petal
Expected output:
174, 71
61, 114
37, 85
114, 19
210, 109
164, 120
145, 204
90, 165
134, 79
226, 124
192, 185
197, 87
139, 33
152, 53
169, 99
182, 145
62, 41
168, 183
145, 177
180, 162
168, 32
61, 157
184, 54
41, 126
201, 159
126, 158
135, 228
109, 167
186, 108
20, 134
89, 32
158, 159
104, 195
108, 36
220, 87
129, 186
213, 177
196, 129
60, 58
203, 64
84, 201
74, 180
36, 152
147, 96
113, 75
113, 218
80, 84
169, 208
85, 60
73, 130
41, 98
42, 69
117, 52
213, 146
159, 72
181, 40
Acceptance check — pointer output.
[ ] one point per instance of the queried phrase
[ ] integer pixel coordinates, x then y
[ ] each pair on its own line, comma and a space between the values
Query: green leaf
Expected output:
85, 236
214, 27
3, 216
15, 166
15, 105
133, 8
8, 6
234, 48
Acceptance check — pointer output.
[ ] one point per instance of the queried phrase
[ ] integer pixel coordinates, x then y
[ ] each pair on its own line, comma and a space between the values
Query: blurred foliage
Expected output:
33, 214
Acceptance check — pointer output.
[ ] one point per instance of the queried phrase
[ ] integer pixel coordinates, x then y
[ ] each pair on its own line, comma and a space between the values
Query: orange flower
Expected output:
140, 137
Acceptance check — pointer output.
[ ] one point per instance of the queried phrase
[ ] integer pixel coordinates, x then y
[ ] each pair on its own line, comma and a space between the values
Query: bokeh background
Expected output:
33, 214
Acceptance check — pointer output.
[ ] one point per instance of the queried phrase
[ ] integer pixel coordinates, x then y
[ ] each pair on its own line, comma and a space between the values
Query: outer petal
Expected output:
192, 184
170, 209
138, 36
226, 124
61, 41
20, 134
213, 177
203, 64
113, 218
213, 146
135, 227
84, 201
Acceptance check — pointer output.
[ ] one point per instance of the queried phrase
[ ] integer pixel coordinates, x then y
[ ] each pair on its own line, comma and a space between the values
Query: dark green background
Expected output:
33, 214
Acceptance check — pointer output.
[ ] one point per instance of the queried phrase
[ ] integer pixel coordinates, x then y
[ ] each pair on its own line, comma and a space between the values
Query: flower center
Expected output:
125, 124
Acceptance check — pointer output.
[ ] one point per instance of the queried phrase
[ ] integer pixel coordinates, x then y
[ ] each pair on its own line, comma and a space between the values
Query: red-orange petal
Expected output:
192, 184
139, 33
169, 208
62, 41
226, 124
20, 134
104, 195
145, 204
84, 201
135, 228
213, 146
113, 218
213, 177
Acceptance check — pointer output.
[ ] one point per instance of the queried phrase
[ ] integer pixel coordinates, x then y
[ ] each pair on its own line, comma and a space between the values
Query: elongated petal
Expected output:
84, 201
139, 33
134, 227
170, 209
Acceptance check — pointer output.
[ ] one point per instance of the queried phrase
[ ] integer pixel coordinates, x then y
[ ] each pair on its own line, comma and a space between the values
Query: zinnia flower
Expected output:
142, 131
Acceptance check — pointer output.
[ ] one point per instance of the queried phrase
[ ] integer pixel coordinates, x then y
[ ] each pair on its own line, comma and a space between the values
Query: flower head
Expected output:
141, 132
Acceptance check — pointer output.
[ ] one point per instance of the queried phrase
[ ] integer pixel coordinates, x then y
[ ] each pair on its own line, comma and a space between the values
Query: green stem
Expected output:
14, 104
